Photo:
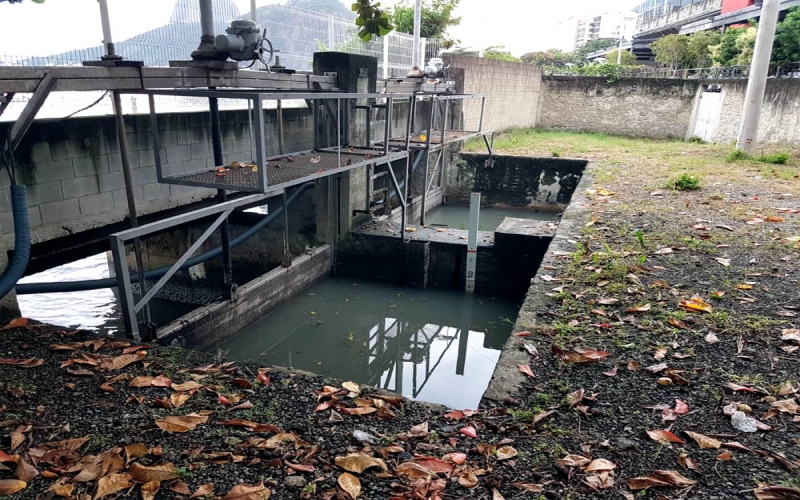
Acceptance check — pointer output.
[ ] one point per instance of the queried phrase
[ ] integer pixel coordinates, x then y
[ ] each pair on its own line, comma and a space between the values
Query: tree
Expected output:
594, 46
437, 17
553, 58
725, 53
671, 51
787, 38
699, 48
627, 58
497, 52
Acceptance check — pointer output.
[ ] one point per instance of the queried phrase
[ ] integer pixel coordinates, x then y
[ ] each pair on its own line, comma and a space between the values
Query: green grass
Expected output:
684, 182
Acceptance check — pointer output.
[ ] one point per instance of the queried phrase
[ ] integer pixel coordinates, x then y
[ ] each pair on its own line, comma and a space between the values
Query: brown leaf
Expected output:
664, 436
657, 368
241, 382
659, 478
161, 381
178, 399
180, 488
468, 479
634, 366
359, 462
150, 489
246, 405
79, 372
704, 441
776, 493
119, 362
506, 453
62, 489
529, 487
413, 470
660, 353
141, 381
134, 451
11, 486
350, 484
205, 490
191, 385
574, 461
496, 495
579, 355
183, 423
687, 463
526, 370
247, 492
300, 467
25, 471
696, 304
637, 309
145, 474
16, 323
112, 484
600, 464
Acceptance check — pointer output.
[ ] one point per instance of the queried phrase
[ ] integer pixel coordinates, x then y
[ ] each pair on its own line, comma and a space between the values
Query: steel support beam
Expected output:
25, 119
125, 289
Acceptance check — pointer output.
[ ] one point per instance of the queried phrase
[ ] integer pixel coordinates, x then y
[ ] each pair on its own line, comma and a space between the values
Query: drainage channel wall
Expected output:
210, 325
507, 379
514, 181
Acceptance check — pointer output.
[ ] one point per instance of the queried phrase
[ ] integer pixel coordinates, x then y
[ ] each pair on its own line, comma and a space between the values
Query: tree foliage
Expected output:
699, 48
672, 51
437, 18
372, 20
594, 46
626, 59
787, 38
498, 52
553, 58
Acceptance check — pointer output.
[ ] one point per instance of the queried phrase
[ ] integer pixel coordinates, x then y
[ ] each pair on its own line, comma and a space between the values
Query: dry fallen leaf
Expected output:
574, 461
696, 304
145, 474
183, 423
659, 478
25, 471
11, 486
526, 370
150, 489
205, 490
62, 489
600, 464
776, 493
704, 441
352, 387
664, 437
359, 462
579, 355
468, 479
112, 484
350, 484
469, 431
247, 492
506, 452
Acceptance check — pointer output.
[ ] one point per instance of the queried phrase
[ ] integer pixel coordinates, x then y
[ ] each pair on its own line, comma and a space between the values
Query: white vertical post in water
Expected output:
472, 241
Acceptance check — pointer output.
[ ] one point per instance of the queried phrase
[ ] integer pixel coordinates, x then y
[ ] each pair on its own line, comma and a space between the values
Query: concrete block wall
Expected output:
637, 107
780, 116
73, 168
512, 91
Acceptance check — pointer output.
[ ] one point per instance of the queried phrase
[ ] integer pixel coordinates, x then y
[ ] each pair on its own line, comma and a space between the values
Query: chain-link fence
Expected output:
294, 33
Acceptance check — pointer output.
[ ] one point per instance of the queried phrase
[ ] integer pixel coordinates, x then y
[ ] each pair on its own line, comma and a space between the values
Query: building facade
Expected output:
578, 31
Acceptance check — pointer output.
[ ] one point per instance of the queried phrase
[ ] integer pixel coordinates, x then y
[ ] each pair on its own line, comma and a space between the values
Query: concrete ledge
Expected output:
212, 324
507, 379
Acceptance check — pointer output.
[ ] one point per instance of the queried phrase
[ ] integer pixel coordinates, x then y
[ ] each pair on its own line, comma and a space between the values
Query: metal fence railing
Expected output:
295, 33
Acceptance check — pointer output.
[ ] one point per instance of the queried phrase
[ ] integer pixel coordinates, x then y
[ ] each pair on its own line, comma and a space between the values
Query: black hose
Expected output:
22, 240
80, 286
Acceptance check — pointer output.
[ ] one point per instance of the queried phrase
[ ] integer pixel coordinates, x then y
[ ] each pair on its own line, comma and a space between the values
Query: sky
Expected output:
60, 25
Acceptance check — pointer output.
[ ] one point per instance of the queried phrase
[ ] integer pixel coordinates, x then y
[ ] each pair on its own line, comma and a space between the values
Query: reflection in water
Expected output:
457, 216
439, 346
95, 310
90, 310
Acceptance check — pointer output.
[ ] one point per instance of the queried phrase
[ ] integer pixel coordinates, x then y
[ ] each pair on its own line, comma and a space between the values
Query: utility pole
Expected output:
416, 70
757, 84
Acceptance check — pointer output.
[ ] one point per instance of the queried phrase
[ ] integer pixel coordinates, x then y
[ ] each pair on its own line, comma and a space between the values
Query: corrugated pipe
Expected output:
80, 286
22, 240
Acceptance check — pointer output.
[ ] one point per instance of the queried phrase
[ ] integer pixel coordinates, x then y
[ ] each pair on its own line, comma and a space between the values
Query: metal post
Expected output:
444, 121
757, 84
206, 48
261, 150
431, 121
331, 34
253, 9
619, 49
424, 204
126, 176
386, 56
105, 20
287, 256
222, 197
483, 110
339, 131
125, 290
417, 30
387, 133
472, 241
412, 106
404, 203
280, 127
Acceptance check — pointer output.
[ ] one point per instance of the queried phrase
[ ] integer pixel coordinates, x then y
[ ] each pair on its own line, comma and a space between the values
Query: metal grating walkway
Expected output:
419, 140
287, 170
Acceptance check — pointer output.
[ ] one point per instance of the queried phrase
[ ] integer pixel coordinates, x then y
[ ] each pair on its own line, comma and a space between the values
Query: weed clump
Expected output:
695, 139
555, 153
775, 159
684, 182
736, 155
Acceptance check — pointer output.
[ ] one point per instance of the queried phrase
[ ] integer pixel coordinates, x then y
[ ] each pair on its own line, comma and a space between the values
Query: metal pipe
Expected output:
405, 199
287, 256
253, 10
415, 55
339, 132
207, 18
444, 121
216, 144
757, 83
483, 109
280, 127
126, 176
424, 186
105, 20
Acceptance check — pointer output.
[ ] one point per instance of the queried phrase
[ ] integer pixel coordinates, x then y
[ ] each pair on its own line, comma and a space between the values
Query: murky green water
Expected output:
457, 216
439, 346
